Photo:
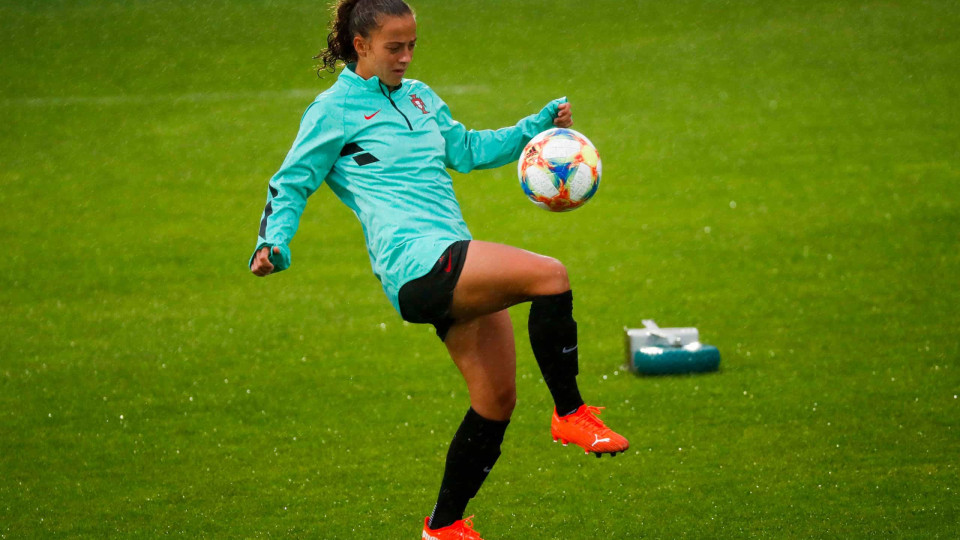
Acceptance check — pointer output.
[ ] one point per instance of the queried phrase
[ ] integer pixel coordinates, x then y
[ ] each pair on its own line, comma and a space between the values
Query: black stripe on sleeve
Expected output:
268, 211
263, 222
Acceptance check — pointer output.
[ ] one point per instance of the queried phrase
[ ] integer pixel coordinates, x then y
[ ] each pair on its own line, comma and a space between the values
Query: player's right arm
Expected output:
308, 162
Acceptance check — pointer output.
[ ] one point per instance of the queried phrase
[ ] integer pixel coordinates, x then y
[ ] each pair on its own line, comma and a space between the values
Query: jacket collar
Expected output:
373, 84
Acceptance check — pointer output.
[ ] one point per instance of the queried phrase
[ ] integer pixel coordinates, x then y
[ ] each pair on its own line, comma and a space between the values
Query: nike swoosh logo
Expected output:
569, 349
599, 440
365, 117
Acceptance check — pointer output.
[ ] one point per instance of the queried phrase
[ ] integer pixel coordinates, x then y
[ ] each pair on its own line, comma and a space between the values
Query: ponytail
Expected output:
350, 18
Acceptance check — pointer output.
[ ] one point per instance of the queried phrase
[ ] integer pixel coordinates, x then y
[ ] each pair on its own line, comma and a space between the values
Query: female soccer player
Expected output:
383, 144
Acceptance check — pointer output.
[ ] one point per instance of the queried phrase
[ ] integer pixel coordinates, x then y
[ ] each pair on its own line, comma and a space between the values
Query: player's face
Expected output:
388, 51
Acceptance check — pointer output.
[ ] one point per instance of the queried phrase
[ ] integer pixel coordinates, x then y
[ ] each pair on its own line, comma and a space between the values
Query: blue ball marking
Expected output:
561, 170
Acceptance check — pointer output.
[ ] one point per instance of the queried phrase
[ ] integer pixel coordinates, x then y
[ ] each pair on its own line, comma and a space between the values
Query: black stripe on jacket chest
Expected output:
361, 159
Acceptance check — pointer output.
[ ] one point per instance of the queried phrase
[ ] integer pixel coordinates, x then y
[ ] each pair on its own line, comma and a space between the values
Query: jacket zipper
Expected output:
409, 125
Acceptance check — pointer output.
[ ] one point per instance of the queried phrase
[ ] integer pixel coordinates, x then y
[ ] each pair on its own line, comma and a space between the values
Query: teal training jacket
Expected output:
385, 155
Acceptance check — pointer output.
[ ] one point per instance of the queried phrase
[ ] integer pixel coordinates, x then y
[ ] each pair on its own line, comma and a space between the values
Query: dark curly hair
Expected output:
352, 17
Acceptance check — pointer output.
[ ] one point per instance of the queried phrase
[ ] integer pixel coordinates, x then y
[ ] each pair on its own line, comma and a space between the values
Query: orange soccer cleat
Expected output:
460, 530
585, 429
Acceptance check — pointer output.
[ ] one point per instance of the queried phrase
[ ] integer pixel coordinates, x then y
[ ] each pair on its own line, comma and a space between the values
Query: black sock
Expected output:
553, 337
473, 452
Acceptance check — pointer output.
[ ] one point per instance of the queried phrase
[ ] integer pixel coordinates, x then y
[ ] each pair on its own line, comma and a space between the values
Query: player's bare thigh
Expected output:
497, 276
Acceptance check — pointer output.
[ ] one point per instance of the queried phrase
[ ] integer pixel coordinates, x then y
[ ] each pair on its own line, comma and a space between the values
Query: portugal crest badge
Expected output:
418, 103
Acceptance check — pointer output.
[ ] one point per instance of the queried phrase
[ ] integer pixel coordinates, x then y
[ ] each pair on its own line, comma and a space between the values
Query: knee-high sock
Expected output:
473, 452
553, 337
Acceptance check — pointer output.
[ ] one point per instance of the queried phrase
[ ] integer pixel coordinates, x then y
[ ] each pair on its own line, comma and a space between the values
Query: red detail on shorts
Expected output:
449, 262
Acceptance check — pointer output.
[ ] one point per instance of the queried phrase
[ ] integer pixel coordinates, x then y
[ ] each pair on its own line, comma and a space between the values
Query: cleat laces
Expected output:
462, 529
467, 531
590, 416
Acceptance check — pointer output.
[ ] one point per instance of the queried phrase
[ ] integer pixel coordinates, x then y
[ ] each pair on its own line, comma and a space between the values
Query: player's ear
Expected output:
360, 45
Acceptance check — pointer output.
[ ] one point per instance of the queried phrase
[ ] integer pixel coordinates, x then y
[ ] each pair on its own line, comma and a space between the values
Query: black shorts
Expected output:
428, 298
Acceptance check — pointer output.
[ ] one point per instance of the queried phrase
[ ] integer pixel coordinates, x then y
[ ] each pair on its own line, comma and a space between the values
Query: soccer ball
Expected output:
559, 170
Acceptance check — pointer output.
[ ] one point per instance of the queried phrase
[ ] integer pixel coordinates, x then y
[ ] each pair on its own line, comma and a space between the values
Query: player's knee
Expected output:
553, 278
504, 401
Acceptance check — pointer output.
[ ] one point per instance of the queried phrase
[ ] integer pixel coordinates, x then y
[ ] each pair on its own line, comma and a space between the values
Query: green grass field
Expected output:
783, 175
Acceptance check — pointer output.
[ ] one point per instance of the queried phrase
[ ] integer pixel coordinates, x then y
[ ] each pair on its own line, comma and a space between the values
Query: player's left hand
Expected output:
261, 265
564, 118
